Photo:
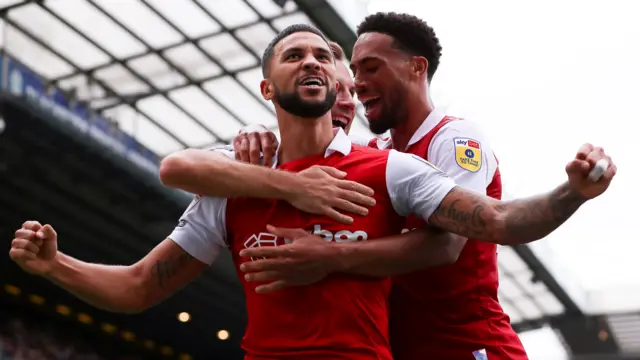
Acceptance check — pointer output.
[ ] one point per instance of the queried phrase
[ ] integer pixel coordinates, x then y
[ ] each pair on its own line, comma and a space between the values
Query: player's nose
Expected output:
346, 104
360, 87
310, 63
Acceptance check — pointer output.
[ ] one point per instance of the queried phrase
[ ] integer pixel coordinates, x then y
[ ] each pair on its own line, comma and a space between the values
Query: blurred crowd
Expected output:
21, 339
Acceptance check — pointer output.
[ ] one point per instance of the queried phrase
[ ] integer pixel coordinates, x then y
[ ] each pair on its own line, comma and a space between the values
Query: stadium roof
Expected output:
174, 74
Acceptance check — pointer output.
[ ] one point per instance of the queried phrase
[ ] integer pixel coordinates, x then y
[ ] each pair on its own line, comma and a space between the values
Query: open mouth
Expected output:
339, 123
370, 105
340, 120
312, 82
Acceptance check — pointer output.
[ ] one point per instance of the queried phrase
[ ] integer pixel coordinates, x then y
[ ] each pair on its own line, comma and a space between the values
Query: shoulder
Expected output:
465, 142
406, 163
364, 162
461, 128
460, 135
208, 206
368, 153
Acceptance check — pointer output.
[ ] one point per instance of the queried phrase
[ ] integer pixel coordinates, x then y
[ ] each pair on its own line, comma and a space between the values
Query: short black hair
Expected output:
410, 33
291, 29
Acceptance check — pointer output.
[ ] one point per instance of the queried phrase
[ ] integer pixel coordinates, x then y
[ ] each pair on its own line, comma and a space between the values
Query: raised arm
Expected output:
127, 289
190, 248
523, 220
506, 222
134, 288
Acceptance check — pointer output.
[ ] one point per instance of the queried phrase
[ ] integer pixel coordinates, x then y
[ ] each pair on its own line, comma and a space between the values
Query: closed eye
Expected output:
371, 69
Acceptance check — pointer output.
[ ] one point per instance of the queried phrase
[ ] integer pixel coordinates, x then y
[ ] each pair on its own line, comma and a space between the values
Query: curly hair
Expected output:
410, 34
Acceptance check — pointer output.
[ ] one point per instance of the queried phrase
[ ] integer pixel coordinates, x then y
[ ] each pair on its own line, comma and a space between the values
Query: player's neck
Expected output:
417, 114
301, 137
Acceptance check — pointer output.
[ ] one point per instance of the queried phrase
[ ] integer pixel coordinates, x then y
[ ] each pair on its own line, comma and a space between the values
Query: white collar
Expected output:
340, 143
427, 125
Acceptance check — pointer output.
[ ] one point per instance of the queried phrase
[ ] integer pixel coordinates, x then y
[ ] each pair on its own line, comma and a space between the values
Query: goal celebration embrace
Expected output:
347, 246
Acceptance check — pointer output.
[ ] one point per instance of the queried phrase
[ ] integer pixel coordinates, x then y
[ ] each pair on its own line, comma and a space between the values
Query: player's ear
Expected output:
419, 66
267, 90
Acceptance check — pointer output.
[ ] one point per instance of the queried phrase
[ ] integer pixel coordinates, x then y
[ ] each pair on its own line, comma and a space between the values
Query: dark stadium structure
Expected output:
108, 209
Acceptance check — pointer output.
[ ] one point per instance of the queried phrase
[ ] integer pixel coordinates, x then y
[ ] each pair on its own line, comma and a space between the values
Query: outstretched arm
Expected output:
506, 222
128, 289
191, 247
523, 220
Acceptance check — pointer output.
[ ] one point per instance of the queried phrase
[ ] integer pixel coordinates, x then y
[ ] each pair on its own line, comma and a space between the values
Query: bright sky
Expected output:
543, 78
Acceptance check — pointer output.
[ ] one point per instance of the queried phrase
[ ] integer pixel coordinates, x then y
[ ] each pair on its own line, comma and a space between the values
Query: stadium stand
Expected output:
92, 97
25, 336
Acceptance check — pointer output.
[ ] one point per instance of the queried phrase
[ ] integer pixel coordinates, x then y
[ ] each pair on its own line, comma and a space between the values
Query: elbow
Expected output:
143, 288
497, 228
137, 294
174, 167
141, 303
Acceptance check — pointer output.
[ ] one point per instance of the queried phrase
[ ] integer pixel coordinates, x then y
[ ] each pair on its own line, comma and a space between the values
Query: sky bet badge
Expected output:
468, 154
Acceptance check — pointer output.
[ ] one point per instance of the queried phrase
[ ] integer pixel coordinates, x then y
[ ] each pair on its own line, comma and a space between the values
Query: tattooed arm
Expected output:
513, 222
128, 289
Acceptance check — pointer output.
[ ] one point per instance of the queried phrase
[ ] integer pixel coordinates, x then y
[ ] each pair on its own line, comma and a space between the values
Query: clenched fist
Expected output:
35, 248
578, 171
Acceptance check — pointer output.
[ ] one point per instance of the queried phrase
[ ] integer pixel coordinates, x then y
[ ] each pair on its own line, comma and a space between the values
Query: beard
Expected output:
390, 116
383, 123
293, 103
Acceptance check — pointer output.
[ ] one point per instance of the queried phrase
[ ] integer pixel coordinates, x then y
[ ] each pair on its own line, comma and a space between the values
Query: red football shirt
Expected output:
342, 316
451, 311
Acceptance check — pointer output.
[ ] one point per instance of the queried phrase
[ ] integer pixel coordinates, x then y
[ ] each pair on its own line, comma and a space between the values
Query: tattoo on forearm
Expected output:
463, 213
536, 217
510, 222
165, 269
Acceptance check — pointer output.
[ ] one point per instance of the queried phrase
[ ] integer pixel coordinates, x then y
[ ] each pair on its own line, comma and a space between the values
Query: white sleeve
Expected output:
359, 139
462, 151
201, 231
415, 186
226, 150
